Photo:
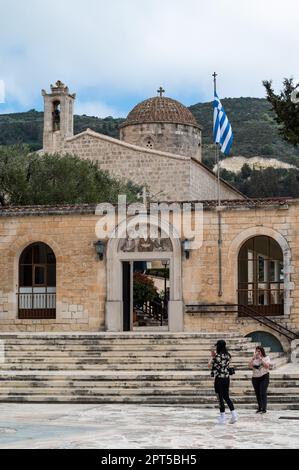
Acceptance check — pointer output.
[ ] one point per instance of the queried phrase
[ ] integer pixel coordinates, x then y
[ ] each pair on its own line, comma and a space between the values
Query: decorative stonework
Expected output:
142, 245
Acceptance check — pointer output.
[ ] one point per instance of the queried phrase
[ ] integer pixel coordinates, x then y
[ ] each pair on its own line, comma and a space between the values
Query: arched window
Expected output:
56, 115
260, 274
266, 340
37, 282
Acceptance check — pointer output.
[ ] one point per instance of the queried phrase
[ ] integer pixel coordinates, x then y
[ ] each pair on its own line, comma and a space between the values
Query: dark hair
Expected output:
261, 349
222, 349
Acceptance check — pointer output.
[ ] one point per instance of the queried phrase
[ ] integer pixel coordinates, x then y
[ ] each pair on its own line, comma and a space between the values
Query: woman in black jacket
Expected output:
220, 365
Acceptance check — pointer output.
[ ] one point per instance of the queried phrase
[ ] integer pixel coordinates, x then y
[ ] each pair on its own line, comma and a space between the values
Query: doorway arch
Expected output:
116, 256
232, 261
261, 276
266, 339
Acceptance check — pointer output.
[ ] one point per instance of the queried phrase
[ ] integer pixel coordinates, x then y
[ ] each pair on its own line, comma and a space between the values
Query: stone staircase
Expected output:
135, 367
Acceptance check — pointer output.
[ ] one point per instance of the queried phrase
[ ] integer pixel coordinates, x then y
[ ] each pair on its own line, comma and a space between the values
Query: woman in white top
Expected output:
260, 365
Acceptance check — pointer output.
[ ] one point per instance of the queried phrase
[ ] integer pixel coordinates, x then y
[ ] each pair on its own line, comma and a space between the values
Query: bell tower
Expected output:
58, 117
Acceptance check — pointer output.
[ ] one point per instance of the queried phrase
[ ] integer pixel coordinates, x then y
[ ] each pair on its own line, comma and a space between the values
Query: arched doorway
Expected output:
122, 251
261, 275
267, 340
37, 282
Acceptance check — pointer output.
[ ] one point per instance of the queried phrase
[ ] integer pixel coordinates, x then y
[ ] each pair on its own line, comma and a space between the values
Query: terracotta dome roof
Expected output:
160, 109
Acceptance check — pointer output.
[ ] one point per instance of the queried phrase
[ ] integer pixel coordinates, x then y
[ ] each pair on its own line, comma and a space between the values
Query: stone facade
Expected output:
180, 139
82, 279
152, 154
156, 169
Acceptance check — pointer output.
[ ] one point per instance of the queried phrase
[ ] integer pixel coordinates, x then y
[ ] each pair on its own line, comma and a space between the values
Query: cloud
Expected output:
94, 108
118, 52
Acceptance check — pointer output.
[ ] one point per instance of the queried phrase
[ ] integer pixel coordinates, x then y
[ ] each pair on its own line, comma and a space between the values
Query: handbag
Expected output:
231, 370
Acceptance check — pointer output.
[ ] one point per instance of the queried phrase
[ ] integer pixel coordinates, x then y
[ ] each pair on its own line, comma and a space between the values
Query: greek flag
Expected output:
223, 133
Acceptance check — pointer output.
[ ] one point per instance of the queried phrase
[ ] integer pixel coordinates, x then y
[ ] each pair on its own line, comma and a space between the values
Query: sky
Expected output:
116, 53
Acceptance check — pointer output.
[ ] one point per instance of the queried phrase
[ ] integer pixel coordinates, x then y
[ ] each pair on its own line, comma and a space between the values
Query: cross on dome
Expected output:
161, 91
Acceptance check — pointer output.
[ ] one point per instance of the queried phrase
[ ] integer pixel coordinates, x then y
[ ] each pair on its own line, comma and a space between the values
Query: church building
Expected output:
58, 275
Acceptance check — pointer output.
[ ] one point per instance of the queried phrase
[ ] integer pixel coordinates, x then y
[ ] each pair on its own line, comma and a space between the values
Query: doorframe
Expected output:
114, 304
132, 261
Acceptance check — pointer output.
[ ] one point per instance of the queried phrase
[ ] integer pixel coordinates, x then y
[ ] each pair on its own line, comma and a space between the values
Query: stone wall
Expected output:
156, 169
81, 283
81, 277
200, 272
180, 139
203, 182
174, 177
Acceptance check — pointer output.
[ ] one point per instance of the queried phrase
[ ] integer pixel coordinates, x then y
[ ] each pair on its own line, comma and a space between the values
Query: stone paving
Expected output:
137, 426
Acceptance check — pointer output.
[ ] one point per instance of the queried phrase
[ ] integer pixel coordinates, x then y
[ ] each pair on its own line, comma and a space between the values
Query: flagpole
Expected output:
217, 152
218, 209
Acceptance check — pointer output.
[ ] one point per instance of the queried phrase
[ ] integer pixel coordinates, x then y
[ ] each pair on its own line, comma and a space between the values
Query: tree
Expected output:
30, 179
287, 112
270, 182
144, 289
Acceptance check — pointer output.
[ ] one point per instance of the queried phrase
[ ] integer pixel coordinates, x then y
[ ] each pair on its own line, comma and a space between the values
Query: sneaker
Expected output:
221, 419
234, 418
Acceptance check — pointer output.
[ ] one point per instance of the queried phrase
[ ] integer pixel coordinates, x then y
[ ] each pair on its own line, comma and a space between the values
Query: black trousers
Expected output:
222, 390
260, 385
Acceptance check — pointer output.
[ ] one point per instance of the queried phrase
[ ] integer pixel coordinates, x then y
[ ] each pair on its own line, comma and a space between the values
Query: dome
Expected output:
160, 109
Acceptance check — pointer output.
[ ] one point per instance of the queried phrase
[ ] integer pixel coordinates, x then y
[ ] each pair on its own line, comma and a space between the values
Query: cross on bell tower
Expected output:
161, 91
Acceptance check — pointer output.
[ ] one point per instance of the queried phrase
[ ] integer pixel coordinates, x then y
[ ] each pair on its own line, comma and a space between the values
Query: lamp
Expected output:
100, 248
165, 263
187, 247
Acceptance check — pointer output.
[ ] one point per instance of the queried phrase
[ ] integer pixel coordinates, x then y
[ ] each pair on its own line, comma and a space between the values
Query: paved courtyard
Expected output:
137, 426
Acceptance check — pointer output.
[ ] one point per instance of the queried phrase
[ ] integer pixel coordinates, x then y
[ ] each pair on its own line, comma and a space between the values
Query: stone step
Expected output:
120, 347
278, 402
126, 339
129, 368
99, 358
109, 367
139, 343
138, 366
137, 376
135, 383
126, 345
128, 351
117, 335
101, 389
130, 392
175, 355
114, 356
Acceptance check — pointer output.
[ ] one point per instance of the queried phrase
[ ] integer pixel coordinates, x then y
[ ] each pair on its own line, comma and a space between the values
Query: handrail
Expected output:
271, 321
154, 310
252, 313
263, 320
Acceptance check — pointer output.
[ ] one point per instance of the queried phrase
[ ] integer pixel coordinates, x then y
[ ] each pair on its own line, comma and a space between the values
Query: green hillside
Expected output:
28, 127
255, 130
